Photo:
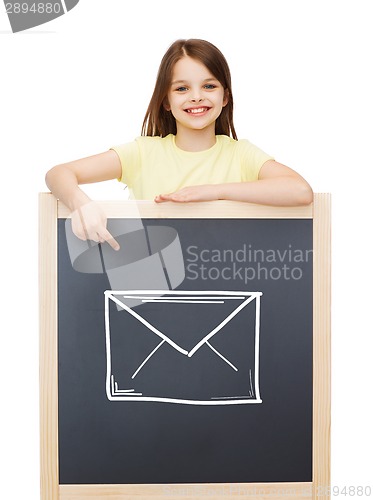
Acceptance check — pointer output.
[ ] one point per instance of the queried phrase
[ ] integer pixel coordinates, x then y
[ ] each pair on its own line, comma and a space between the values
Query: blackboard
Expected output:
210, 381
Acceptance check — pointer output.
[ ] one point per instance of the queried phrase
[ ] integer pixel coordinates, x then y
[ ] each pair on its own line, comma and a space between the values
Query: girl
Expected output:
188, 150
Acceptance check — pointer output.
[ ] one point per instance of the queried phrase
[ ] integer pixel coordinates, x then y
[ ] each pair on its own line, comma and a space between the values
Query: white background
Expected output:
302, 83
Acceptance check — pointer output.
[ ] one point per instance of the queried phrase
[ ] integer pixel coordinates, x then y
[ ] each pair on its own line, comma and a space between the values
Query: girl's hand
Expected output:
89, 223
206, 192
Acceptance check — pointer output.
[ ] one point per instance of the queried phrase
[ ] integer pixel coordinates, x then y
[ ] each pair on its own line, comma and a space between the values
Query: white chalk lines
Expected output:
147, 359
221, 356
115, 390
168, 298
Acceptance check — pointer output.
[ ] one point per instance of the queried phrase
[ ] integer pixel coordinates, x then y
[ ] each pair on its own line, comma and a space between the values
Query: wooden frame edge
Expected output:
321, 346
209, 210
216, 491
48, 365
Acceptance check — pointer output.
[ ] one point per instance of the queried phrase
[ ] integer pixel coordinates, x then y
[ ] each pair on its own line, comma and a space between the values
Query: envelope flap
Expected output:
184, 319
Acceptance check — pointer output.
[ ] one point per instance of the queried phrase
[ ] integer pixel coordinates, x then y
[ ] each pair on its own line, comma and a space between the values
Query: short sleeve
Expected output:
129, 156
252, 159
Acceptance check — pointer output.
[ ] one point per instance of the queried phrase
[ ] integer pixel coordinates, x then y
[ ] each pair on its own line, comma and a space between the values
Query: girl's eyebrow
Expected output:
186, 81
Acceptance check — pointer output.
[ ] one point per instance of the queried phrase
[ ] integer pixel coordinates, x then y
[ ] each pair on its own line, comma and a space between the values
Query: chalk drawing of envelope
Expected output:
184, 347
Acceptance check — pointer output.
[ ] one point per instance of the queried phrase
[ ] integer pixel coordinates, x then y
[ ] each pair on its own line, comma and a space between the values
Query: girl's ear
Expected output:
166, 104
226, 97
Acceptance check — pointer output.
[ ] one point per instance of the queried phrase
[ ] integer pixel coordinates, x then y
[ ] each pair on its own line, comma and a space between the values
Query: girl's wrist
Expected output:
78, 199
220, 192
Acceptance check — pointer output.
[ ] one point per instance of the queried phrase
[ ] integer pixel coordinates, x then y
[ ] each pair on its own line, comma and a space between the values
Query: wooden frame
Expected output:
319, 211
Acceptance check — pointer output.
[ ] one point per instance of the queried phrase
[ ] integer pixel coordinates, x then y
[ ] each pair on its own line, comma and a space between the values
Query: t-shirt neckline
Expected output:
204, 151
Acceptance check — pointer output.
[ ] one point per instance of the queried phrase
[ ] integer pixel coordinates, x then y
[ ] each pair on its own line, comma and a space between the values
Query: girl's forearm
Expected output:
88, 221
64, 179
64, 185
279, 191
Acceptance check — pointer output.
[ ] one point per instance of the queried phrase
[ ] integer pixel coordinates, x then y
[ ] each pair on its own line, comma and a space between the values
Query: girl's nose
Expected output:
196, 98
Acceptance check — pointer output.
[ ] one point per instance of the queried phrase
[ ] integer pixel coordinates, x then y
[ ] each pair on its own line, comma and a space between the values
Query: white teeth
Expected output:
197, 110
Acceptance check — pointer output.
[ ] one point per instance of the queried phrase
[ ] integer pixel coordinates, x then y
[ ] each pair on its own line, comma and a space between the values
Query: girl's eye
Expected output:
210, 86
181, 89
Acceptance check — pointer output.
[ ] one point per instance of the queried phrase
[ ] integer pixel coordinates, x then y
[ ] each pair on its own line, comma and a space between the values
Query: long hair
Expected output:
160, 122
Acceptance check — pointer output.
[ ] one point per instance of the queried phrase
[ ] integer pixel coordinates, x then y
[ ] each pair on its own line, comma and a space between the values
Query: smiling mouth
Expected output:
196, 111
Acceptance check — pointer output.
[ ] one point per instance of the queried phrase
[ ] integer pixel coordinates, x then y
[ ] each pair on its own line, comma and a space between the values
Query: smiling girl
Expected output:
188, 150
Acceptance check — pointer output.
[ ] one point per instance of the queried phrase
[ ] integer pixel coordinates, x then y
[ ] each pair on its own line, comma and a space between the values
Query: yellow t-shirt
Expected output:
155, 165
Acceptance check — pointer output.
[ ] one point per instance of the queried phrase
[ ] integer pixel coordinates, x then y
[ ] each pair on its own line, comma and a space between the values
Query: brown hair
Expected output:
160, 122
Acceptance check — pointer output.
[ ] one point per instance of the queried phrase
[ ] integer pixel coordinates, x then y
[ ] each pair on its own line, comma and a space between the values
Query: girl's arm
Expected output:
88, 219
277, 185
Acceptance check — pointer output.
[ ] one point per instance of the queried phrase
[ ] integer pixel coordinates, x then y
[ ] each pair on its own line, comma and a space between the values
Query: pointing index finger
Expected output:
110, 240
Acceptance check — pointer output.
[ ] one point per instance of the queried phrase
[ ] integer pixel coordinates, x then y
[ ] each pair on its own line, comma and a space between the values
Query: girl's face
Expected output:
195, 98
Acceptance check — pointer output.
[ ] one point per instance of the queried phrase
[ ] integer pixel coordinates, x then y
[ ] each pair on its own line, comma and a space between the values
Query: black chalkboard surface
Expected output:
218, 395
